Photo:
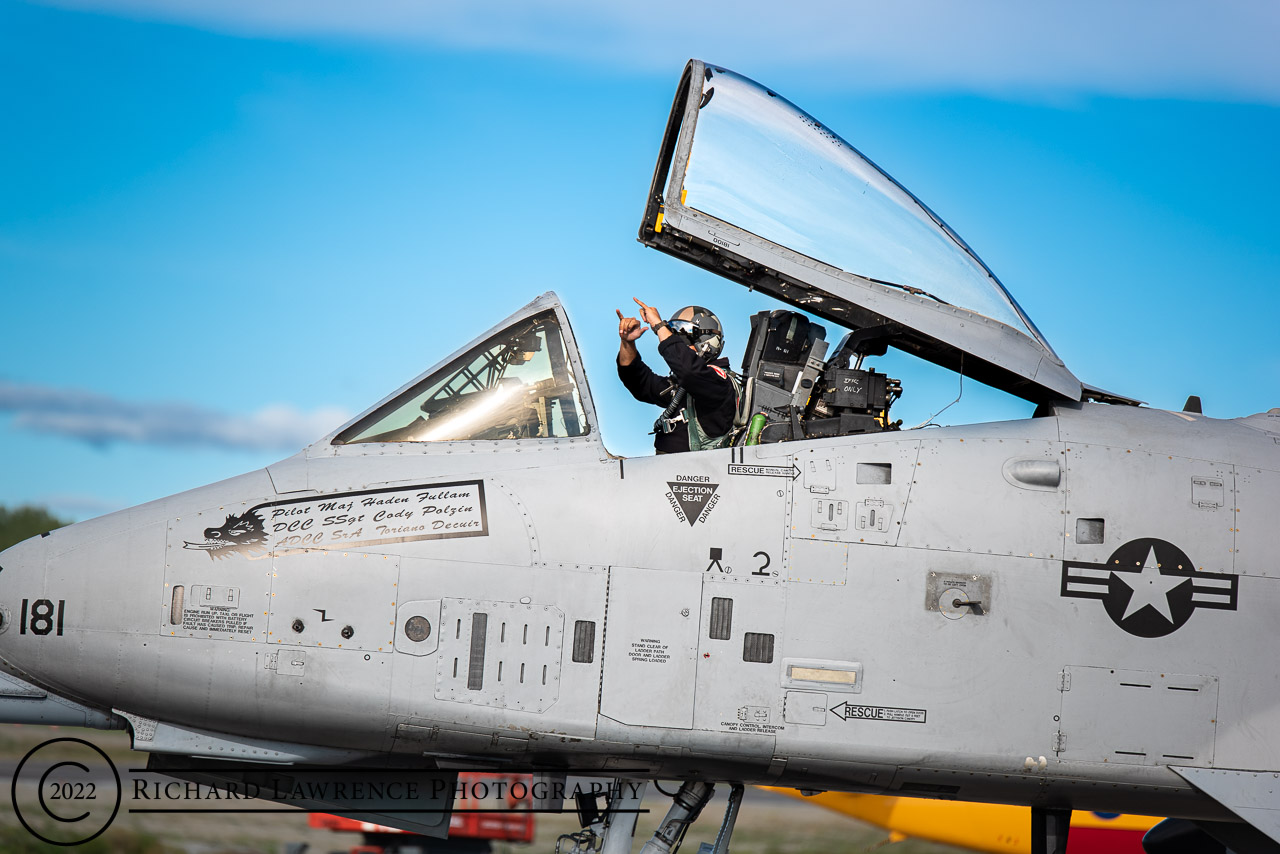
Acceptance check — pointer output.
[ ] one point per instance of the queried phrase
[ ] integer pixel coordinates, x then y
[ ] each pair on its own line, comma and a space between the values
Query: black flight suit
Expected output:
712, 392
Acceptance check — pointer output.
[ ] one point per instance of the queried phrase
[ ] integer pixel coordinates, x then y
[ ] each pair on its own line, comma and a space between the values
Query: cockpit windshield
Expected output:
763, 164
518, 384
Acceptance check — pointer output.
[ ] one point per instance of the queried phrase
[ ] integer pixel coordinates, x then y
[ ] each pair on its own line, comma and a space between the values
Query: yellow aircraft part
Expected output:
996, 828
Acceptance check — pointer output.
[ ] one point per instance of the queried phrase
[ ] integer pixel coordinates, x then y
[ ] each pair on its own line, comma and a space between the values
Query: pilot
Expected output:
700, 397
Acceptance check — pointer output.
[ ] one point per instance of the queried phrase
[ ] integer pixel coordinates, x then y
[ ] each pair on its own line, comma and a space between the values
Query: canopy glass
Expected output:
763, 164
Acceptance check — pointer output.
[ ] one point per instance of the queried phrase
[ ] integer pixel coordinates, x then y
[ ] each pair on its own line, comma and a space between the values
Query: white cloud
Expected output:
101, 420
1171, 48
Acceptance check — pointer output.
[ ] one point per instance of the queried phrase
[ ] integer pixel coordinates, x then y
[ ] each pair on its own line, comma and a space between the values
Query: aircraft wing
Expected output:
1252, 795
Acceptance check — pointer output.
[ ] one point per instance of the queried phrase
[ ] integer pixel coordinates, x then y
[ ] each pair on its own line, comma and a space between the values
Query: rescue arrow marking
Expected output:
851, 712
792, 471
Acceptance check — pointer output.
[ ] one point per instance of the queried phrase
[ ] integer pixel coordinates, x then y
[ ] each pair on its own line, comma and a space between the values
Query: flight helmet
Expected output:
700, 328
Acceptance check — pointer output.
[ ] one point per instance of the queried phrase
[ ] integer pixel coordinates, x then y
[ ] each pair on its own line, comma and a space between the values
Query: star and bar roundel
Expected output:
1149, 587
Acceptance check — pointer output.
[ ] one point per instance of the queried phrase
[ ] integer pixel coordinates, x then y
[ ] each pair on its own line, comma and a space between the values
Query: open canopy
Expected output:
754, 188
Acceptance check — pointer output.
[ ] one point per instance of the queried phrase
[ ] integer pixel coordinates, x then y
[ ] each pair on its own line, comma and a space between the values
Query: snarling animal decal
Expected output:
243, 534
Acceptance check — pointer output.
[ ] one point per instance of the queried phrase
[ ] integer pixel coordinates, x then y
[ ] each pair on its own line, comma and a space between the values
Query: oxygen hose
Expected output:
676, 404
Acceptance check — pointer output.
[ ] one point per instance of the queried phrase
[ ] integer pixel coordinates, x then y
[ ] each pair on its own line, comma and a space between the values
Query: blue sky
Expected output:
226, 227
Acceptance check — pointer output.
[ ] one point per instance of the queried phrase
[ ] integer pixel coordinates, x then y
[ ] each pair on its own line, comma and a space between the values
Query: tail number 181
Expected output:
41, 617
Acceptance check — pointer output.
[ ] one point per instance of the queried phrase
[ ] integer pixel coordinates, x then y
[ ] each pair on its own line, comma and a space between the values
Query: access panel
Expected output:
1136, 717
650, 646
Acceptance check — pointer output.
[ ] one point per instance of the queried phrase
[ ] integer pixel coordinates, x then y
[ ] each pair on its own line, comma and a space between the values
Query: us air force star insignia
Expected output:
1149, 587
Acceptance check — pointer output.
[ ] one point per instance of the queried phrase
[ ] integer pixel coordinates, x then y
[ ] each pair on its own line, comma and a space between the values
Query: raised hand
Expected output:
629, 328
648, 313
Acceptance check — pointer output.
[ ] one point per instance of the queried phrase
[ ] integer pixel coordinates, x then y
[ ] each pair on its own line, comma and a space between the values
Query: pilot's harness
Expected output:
681, 411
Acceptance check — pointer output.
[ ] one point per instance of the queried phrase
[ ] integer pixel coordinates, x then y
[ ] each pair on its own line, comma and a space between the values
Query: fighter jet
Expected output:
1071, 611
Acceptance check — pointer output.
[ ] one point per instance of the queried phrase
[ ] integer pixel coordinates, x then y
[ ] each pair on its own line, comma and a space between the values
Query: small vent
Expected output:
929, 788
475, 665
875, 473
584, 642
757, 647
175, 605
1090, 532
830, 514
510, 674
721, 618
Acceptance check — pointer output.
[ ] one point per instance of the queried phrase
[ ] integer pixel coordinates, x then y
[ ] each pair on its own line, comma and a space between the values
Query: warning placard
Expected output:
692, 497
649, 651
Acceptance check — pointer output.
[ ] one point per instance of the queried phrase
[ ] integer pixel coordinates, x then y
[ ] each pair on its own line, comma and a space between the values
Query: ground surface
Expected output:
768, 824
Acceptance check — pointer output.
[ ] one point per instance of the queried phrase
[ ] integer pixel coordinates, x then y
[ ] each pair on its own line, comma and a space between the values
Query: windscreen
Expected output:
518, 384
764, 165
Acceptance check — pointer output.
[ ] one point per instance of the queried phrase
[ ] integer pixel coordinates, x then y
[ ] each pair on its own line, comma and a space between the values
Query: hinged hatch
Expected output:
752, 187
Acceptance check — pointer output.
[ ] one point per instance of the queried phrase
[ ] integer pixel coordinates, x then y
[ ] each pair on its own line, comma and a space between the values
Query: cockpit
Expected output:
517, 384
520, 383
749, 186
